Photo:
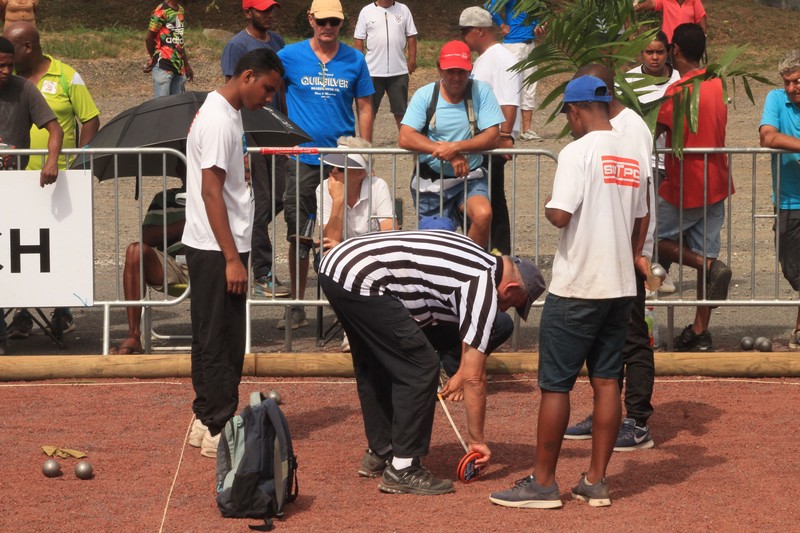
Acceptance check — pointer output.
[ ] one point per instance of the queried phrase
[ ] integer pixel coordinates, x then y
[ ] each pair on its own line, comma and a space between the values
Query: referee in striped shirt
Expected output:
385, 288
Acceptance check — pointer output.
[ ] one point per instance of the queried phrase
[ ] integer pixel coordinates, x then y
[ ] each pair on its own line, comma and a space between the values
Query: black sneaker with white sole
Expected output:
689, 341
595, 495
528, 494
372, 464
413, 480
632, 437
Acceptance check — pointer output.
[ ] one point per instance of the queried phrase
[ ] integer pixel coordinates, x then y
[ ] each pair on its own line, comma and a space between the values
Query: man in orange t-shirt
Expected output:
692, 198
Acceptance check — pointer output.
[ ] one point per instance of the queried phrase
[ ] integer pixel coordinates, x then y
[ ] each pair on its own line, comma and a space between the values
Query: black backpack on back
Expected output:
256, 465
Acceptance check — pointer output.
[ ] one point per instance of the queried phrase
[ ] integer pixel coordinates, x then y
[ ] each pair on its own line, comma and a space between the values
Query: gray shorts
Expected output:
302, 185
573, 331
701, 230
396, 87
789, 245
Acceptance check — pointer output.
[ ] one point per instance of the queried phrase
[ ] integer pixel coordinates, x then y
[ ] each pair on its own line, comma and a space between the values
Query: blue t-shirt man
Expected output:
519, 32
243, 42
319, 97
783, 115
452, 123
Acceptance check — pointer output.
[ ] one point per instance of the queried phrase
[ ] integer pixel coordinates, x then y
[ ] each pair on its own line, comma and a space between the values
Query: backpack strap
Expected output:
430, 113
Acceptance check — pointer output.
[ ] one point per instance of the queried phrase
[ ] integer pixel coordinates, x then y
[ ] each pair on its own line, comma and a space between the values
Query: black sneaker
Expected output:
632, 437
372, 464
596, 495
580, 431
718, 280
528, 494
66, 319
689, 341
21, 325
413, 480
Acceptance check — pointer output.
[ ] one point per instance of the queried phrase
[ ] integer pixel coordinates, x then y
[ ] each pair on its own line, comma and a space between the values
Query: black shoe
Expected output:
689, 341
718, 280
21, 325
528, 494
413, 480
372, 464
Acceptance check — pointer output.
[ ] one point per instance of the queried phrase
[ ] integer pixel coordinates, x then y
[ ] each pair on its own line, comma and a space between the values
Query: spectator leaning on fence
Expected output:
383, 31
494, 66
68, 97
780, 128
682, 195
466, 118
260, 15
21, 106
324, 78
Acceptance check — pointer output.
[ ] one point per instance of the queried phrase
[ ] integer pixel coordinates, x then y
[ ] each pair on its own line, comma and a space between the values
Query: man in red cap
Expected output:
260, 15
447, 122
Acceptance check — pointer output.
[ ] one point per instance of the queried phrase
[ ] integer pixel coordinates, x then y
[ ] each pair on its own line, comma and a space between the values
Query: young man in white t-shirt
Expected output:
384, 30
495, 66
599, 200
219, 216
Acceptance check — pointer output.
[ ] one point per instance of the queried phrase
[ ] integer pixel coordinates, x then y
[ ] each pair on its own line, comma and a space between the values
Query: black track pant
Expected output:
639, 365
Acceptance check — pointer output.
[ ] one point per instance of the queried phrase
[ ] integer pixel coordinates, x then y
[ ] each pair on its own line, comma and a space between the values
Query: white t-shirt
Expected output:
599, 180
494, 67
384, 30
374, 200
216, 139
654, 92
635, 130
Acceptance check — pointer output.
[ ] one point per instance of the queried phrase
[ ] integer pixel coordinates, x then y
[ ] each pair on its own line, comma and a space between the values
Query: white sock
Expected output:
399, 463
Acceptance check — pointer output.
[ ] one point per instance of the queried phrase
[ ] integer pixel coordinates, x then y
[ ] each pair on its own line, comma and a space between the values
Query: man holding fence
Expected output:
683, 207
780, 129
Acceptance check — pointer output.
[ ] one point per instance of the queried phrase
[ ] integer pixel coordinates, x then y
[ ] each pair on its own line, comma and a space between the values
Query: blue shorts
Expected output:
453, 200
573, 331
670, 227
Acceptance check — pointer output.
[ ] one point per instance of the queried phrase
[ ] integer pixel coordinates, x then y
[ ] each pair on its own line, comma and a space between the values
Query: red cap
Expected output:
259, 5
455, 54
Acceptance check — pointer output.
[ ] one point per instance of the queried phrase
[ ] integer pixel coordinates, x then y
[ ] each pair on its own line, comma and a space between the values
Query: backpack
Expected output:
430, 112
256, 465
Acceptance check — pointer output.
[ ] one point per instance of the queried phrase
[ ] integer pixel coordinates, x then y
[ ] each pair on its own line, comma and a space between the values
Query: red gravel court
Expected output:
726, 459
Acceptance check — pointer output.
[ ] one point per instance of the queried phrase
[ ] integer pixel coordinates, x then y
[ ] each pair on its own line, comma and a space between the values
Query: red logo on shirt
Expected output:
620, 171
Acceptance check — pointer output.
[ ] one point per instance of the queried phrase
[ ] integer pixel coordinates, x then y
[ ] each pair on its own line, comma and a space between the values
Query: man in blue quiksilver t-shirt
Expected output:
323, 78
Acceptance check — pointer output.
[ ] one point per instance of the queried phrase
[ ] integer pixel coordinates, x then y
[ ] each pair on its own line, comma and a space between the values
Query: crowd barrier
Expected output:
747, 233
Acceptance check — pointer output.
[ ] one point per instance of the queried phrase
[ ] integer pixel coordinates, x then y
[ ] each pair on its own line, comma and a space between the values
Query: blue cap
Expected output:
436, 222
585, 89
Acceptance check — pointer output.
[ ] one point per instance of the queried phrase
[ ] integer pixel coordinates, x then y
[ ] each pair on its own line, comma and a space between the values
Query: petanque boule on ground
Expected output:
274, 395
763, 344
84, 470
51, 468
747, 343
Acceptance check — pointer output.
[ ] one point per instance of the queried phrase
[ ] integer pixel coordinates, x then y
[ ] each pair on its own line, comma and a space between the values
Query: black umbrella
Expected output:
164, 123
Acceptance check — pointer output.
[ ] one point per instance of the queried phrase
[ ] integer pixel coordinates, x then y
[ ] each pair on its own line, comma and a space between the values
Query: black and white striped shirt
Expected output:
440, 276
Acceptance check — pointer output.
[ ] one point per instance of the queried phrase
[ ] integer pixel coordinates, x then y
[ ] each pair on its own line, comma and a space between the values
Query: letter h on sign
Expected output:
43, 249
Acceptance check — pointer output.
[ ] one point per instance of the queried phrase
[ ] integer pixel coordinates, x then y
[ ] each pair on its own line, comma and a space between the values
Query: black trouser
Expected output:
396, 369
501, 226
639, 364
262, 180
445, 339
218, 338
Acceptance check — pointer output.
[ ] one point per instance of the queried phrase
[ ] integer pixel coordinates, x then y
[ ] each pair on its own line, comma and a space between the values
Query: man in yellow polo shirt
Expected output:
68, 97
61, 86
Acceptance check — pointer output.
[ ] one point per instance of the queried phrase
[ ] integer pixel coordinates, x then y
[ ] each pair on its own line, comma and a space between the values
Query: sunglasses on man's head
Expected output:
332, 22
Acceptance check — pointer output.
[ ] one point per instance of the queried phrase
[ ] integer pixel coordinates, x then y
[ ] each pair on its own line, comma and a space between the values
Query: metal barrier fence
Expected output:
746, 239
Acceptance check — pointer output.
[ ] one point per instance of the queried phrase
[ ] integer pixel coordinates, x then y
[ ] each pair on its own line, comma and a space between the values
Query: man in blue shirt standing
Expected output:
323, 78
260, 15
518, 36
780, 128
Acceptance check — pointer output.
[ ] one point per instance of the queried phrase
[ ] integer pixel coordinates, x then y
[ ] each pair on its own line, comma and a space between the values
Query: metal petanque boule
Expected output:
747, 343
764, 345
84, 470
275, 395
51, 468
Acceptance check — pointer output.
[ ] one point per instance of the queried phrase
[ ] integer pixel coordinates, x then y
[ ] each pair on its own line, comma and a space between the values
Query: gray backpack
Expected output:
256, 465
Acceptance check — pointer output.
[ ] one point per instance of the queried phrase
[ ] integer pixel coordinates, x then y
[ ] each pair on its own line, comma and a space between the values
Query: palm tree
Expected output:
580, 32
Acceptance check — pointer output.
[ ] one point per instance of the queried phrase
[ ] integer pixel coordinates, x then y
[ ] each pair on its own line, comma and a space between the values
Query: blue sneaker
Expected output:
264, 286
632, 437
596, 495
527, 493
580, 431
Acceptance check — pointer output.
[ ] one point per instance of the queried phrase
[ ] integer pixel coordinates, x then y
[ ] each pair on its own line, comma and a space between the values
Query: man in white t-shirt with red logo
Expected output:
599, 200
219, 218
384, 30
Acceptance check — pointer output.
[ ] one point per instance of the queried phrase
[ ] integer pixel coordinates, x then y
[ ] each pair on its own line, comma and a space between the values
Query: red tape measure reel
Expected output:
466, 471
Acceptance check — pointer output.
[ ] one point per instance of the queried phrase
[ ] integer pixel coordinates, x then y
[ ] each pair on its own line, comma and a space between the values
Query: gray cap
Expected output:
475, 17
533, 283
